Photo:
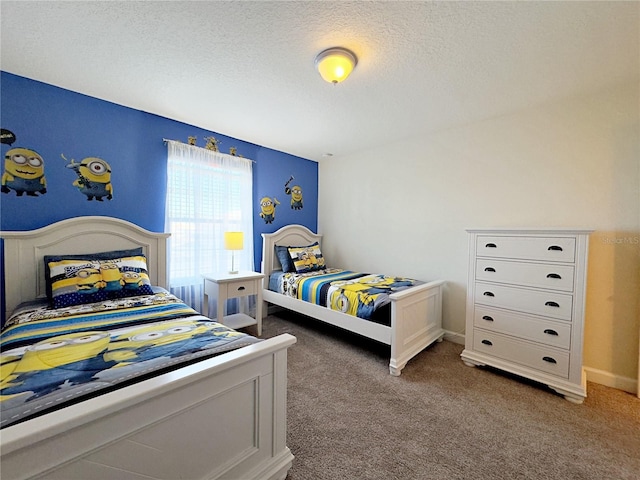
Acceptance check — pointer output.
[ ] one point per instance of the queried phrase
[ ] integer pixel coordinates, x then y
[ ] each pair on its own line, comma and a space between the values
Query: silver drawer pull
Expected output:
548, 331
556, 248
554, 275
549, 359
240, 289
487, 342
489, 269
552, 304
490, 245
487, 318
488, 294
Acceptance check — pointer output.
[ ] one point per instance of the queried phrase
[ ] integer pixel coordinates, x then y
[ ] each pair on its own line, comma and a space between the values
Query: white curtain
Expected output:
208, 193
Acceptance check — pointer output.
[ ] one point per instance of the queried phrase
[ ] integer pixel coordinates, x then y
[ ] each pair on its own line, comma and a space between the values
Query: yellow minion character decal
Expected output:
23, 172
268, 209
296, 198
94, 178
295, 192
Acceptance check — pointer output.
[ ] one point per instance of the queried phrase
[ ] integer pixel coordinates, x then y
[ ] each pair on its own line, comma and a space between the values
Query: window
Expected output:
208, 193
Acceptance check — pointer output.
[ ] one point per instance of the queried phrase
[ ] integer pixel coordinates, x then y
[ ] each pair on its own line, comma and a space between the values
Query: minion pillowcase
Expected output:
307, 259
80, 281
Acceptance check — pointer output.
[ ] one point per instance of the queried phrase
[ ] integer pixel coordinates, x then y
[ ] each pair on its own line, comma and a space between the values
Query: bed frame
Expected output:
416, 313
224, 417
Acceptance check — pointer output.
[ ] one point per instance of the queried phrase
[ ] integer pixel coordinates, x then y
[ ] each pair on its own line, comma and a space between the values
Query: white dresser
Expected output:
525, 305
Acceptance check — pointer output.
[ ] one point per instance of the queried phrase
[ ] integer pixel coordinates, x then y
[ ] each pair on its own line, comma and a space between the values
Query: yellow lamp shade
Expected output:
335, 64
233, 240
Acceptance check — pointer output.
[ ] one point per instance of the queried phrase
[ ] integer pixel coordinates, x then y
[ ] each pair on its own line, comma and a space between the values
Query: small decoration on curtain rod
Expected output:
191, 140
233, 151
212, 144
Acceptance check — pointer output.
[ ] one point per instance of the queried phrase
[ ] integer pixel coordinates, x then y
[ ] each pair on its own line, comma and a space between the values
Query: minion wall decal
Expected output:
296, 198
287, 190
23, 173
94, 178
7, 137
296, 194
268, 209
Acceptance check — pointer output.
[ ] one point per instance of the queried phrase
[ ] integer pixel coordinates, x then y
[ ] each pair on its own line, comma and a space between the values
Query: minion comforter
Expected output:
49, 357
363, 295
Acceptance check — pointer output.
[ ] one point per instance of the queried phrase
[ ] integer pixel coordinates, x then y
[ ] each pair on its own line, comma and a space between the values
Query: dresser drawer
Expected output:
548, 304
547, 332
545, 359
543, 275
552, 249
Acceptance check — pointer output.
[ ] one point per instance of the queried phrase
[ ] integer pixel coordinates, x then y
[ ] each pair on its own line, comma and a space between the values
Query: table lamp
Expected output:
233, 241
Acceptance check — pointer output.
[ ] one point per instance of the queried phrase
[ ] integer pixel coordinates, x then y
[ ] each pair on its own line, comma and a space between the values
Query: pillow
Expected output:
132, 252
285, 260
80, 281
307, 259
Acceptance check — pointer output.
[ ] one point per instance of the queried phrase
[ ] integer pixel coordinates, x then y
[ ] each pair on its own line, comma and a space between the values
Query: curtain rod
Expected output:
165, 140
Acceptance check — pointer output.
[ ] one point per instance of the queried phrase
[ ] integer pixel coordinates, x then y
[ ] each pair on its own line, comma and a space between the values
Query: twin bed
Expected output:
217, 408
410, 321
217, 414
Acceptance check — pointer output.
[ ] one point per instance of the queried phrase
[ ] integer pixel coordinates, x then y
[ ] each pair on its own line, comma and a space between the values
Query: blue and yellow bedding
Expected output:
360, 294
49, 357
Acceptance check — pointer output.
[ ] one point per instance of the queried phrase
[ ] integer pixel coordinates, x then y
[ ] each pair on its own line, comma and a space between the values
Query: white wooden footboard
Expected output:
416, 322
220, 418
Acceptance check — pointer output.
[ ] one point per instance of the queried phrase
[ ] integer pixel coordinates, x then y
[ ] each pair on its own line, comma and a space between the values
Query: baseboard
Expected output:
609, 379
454, 337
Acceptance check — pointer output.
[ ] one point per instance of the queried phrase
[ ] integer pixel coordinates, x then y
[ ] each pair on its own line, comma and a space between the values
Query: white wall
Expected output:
403, 209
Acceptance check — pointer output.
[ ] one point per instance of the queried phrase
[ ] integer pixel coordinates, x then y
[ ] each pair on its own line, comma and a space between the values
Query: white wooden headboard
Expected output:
288, 236
24, 251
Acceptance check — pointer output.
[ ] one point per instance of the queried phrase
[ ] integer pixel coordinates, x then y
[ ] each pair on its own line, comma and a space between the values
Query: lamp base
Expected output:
233, 270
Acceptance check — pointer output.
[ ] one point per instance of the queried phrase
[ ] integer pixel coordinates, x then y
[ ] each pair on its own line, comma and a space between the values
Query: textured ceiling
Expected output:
245, 69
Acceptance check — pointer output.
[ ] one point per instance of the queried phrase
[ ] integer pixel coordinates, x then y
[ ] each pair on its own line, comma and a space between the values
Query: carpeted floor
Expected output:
349, 419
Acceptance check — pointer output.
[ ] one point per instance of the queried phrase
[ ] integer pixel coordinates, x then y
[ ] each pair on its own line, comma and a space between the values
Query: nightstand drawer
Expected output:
542, 275
547, 332
240, 288
541, 358
553, 249
548, 304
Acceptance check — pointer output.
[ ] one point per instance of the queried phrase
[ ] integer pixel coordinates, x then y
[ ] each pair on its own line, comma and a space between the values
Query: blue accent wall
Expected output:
55, 122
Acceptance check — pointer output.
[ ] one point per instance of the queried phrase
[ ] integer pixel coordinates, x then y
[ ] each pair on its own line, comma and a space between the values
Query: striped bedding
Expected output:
49, 357
363, 295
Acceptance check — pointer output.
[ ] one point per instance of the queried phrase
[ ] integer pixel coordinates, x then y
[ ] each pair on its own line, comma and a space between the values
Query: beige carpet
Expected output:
349, 419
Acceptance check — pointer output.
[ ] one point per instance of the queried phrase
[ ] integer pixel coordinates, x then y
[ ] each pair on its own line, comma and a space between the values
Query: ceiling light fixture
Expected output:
335, 64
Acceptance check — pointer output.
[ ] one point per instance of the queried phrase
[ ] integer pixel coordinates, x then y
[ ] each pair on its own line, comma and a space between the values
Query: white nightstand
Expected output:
234, 285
